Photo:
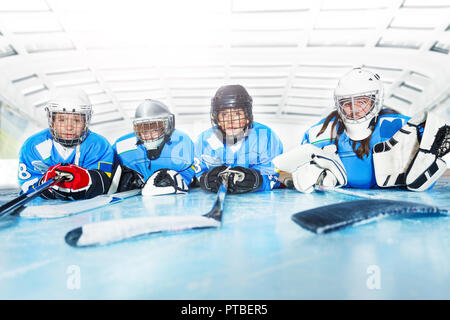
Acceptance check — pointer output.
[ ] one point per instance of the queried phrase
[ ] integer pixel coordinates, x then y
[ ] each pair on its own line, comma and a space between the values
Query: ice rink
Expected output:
258, 253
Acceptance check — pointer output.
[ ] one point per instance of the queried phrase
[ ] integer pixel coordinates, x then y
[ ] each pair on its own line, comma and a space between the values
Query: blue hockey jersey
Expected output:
40, 152
360, 172
256, 151
177, 154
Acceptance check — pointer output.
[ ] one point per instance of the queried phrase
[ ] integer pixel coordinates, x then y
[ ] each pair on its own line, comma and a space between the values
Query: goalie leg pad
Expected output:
392, 158
428, 165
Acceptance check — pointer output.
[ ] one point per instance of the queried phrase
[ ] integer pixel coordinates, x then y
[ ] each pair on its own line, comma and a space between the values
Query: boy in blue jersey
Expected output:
155, 157
236, 141
67, 146
361, 145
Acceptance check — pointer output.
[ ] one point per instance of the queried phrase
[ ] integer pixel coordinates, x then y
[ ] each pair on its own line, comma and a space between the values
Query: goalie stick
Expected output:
337, 216
105, 232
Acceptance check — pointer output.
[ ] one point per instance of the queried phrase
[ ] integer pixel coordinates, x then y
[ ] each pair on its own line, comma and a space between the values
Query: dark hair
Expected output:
364, 147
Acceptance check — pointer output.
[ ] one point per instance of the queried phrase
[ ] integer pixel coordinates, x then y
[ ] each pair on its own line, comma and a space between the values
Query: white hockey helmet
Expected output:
69, 102
358, 97
153, 124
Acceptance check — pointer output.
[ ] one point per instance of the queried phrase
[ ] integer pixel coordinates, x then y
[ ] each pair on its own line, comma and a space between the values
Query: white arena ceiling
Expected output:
289, 54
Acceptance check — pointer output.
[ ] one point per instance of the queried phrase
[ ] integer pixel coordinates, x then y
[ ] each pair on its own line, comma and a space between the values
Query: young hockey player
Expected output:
67, 146
156, 156
361, 145
236, 141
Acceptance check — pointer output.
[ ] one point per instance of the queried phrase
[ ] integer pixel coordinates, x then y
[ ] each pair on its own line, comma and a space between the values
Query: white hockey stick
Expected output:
105, 232
344, 191
74, 207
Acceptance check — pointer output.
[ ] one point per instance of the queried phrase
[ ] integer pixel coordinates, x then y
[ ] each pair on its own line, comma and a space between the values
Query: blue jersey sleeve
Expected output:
99, 156
274, 147
28, 174
188, 172
199, 164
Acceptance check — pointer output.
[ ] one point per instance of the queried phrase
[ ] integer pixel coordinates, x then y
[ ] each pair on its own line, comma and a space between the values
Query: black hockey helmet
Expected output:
231, 96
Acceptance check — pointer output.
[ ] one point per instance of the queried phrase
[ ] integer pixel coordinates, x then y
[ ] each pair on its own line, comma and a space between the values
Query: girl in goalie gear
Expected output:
68, 146
337, 151
361, 145
236, 141
155, 157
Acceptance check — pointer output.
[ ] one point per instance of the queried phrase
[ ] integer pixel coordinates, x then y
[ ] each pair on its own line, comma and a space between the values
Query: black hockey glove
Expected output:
252, 181
130, 180
210, 181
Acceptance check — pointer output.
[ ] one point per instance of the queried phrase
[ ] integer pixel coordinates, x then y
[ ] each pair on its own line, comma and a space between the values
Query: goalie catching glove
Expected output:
310, 166
410, 160
241, 180
164, 181
80, 183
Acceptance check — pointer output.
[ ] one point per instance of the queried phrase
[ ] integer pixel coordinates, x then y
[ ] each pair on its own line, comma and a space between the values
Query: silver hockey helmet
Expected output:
69, 113
153, 124
358, 98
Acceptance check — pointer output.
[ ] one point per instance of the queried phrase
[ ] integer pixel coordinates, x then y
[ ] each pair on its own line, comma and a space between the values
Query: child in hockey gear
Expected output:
236, 141
338, 149
155, 157
67, 146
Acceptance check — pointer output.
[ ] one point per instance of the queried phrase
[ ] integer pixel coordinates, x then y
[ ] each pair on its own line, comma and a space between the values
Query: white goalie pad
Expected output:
428, 166
171, 184
307, 163
392, 158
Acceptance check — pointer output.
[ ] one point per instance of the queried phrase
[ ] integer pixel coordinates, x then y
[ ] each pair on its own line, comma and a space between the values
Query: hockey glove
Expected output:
252, 180
311, 165
130, 180
75, 187
210, 180
164, 181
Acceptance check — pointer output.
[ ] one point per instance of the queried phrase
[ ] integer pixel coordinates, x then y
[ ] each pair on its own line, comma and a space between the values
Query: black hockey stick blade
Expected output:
217, 210
337, 216
17, 203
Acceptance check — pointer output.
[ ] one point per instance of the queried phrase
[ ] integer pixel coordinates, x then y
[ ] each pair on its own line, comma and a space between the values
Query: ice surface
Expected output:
258, 253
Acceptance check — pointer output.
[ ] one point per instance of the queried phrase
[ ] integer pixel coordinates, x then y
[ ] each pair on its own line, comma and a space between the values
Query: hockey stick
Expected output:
115, 180
337, 216
343, 191
69, 208
17, 203
320, 187
105, 232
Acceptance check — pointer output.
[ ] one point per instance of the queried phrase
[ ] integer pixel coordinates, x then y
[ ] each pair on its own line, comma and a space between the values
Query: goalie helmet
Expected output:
231, 112
153, 125
69, 113
358, 98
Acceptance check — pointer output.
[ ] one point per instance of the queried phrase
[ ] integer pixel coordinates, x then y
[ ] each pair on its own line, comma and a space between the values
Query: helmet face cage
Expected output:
68, 127
360, 107
232, 121
149, 130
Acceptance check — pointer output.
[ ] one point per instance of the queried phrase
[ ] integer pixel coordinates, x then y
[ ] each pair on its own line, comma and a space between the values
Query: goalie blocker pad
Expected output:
403, 160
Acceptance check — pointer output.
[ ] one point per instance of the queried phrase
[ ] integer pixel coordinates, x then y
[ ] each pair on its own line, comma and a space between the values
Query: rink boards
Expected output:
258, 253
